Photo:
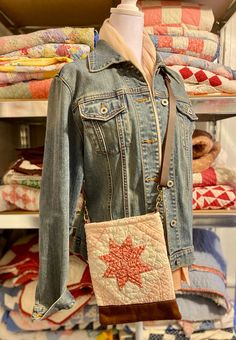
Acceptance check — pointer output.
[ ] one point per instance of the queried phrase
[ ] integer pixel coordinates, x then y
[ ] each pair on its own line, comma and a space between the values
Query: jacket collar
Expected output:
104, 55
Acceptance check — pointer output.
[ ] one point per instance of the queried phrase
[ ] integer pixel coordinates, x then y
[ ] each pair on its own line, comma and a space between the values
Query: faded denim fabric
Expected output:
105, 129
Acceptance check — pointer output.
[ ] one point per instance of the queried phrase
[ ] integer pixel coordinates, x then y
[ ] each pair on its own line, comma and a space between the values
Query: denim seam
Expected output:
142, 158
110, 185
108, 95
123, 165
66, 83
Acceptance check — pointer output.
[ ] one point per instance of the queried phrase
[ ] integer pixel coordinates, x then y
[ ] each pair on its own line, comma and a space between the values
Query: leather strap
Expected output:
169, 136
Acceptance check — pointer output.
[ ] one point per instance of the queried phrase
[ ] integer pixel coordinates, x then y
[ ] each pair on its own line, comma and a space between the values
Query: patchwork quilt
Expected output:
176, 13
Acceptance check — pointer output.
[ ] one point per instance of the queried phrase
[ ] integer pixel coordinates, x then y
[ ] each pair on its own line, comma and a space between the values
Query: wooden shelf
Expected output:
19, 220
206, 107
23, 108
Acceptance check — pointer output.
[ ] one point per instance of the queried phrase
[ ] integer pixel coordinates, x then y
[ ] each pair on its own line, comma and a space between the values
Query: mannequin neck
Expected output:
129, 24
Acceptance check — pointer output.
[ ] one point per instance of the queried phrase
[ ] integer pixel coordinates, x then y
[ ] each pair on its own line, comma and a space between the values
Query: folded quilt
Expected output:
173, 13
14, 70
201, 89
19, 197
18, 77
171, 59
172, 334
215, 176
214, 197
34, 89
14, 177
196, 47
69, 35
22, 259
194, 75
206, 296
202, 142
205, 150
85, 318
181, 31
25, 64
27, 167
74, 51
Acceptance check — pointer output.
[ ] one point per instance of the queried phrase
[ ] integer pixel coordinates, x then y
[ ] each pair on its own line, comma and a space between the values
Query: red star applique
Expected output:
124, 263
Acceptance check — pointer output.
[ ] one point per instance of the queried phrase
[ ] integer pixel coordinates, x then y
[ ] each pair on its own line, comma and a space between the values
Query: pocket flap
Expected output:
187, 110
101, 109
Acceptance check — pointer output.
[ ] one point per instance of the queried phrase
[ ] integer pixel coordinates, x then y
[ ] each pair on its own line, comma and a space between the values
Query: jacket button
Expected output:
170, 183
173, 223
104, 110
177, 262
164, 102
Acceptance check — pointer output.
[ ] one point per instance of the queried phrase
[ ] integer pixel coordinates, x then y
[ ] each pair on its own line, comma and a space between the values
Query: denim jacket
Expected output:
105, 129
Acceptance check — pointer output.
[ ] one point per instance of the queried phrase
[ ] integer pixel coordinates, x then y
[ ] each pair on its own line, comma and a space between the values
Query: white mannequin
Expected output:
127, 19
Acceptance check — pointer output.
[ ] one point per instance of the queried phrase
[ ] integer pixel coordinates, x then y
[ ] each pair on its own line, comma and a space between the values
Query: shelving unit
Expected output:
208, 108
201, 219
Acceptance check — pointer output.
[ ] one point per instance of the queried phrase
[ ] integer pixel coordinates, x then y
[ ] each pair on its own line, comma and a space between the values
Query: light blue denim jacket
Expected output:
105, 127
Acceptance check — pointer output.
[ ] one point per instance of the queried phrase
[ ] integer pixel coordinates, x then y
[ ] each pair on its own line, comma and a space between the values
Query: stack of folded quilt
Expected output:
28, 62
18, 277
20, 187
204, 303
21, 183
182, 35
214, 186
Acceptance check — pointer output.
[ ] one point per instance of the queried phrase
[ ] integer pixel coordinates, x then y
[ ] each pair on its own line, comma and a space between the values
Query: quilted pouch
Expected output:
130, 270
129, 266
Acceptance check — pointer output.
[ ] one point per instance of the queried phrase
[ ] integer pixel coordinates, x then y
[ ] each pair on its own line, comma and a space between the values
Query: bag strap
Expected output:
170, 132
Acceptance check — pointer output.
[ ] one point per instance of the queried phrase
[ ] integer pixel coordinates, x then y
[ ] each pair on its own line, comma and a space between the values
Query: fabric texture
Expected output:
195, 75
202, 142
14, 177
128, 272
73, 51
53, 35
16, 70
201, 89
215, 176
25, 166
109, 34
19, 197
206, 297
180, 14
35, 89
205, 150
171, 59
213, 197
19, 267
196, 47
181, 32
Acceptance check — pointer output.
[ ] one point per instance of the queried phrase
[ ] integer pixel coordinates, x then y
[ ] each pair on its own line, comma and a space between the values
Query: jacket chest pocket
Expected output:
186, 123
106, 125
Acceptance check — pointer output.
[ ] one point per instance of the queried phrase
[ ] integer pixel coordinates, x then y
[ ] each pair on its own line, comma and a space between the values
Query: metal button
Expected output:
177, 262
104, 110
170, 183
164, 102
173, 223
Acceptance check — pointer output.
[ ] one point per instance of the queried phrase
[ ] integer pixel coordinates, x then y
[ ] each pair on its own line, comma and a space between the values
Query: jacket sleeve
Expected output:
61, 184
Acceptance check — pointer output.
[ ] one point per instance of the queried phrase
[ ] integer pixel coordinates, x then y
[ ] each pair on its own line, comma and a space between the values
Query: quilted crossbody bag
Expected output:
129, 266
